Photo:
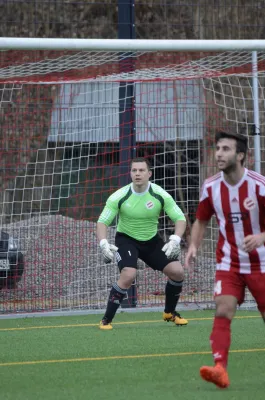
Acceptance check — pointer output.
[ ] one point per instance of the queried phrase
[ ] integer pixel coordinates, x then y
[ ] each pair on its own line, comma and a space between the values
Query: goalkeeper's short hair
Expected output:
141, 159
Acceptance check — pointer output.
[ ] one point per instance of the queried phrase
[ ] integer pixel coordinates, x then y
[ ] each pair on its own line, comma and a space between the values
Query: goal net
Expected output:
70, 122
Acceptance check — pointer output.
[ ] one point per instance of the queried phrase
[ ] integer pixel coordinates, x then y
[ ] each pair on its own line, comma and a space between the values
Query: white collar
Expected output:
141, 193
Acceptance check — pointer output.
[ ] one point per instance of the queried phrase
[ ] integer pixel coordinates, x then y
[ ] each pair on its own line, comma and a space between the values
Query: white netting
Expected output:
224, 64
76, 61
63, 119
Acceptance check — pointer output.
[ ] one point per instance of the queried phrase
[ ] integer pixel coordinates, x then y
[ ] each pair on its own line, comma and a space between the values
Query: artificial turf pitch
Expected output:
143, 358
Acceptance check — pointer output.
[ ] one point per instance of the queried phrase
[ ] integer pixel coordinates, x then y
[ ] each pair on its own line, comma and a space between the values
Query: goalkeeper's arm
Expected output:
172, 247
108, 250
180, 227
102, 230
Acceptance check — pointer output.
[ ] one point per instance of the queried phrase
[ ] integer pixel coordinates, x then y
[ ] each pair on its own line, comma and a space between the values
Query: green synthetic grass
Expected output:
141, 358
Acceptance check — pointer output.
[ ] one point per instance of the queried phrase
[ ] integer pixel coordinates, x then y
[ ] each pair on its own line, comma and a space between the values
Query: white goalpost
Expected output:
73, 112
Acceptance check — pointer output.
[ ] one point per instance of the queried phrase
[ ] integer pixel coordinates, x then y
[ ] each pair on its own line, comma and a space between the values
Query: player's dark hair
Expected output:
141, 159
241, 141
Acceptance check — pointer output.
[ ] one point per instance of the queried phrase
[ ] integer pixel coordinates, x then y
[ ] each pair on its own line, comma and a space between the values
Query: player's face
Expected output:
228, 160
140, 174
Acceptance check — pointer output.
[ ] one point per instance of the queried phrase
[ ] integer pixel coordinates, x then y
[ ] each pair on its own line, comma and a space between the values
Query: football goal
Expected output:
73, 112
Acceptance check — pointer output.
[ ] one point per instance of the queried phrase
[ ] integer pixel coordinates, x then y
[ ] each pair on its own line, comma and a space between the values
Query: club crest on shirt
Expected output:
249, 203
149, 204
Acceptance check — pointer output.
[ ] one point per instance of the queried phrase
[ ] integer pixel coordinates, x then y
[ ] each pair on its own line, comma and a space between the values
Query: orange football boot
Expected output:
105, 325
217, 375
176, 318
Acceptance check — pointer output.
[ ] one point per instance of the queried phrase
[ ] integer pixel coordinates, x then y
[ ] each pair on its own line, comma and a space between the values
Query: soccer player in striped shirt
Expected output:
138, 206
236, 196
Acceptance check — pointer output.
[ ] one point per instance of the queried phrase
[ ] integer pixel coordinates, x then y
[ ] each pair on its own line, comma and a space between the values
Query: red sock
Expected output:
221, 339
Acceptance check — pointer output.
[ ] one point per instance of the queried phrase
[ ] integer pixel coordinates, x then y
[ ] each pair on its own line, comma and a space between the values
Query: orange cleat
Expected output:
176, 318
217, 375
105, 325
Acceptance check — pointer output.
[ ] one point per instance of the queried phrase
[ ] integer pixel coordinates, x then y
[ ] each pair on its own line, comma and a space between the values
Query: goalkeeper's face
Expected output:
140, 174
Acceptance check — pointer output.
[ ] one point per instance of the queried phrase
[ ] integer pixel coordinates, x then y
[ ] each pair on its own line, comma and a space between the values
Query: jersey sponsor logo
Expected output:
235, 217
149, 204
249, 203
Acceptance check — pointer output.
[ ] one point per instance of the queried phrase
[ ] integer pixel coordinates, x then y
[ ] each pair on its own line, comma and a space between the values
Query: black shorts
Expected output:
150, 251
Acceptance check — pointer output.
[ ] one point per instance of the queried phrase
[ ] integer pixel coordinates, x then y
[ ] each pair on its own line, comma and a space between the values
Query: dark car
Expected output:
11, 261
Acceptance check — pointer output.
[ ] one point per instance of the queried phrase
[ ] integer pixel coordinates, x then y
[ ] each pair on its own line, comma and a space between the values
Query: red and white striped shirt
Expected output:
240, 211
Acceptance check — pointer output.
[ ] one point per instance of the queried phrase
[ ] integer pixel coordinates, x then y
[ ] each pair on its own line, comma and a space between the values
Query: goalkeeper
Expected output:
138, 206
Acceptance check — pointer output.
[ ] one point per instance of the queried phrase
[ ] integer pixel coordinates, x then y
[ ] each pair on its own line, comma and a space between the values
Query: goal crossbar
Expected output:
8, 43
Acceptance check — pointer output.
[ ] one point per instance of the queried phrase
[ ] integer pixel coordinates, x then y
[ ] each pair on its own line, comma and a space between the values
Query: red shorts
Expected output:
234, 284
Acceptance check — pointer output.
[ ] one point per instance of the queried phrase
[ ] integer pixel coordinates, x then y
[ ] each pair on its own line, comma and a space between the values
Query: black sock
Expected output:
173, 290
115, 298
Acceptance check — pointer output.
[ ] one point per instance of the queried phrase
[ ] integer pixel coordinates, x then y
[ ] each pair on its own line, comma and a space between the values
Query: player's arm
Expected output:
204, 213
172, 247
197, 234
251, 242
105, 219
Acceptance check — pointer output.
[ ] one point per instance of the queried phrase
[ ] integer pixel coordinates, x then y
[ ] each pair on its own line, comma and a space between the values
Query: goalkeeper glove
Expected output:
172, 248
108, 250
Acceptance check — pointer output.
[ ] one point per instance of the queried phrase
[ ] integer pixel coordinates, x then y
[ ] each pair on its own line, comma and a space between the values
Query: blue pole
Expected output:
127, 140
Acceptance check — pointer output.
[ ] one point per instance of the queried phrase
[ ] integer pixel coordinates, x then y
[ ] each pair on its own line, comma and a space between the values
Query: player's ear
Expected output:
240, 156
150, 173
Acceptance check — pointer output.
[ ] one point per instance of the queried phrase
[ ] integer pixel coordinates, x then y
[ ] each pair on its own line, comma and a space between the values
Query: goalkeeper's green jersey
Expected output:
139, 212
